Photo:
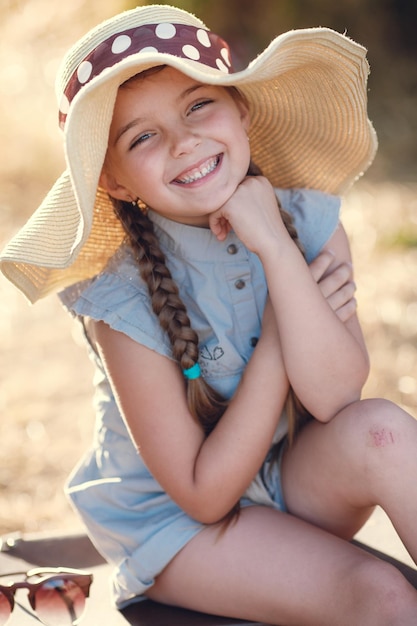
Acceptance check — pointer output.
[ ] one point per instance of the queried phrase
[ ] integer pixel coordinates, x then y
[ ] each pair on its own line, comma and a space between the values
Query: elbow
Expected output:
230, 517
209, 515
325, 409
366, 368
208, 518
209, 511
328, 410
326, 414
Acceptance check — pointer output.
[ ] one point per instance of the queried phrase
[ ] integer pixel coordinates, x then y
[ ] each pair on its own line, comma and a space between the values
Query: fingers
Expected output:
343, 301
251, 211
334, 280
347, 310
219, 226
336, 284
321, 264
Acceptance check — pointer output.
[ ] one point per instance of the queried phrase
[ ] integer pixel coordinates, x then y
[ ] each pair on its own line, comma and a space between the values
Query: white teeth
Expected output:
199, 173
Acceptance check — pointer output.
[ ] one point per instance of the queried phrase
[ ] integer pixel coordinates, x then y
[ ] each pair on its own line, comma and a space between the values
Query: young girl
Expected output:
196, 236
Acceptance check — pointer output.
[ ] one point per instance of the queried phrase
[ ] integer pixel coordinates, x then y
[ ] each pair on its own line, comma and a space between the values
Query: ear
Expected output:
108, 182
244, 115
243, 108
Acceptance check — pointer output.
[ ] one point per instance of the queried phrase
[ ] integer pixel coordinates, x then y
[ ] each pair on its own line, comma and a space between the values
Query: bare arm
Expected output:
325, 358
206, 476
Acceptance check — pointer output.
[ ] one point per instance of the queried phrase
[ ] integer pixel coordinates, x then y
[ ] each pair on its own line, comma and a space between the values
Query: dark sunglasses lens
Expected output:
5, 609
60, 602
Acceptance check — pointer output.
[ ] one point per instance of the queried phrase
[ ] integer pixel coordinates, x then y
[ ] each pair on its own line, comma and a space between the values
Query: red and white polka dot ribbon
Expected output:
180, 40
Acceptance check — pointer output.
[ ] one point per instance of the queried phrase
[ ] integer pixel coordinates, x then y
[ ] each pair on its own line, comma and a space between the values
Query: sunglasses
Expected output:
57, 595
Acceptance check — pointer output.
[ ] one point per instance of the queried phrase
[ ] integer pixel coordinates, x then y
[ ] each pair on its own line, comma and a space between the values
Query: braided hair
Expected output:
205, 403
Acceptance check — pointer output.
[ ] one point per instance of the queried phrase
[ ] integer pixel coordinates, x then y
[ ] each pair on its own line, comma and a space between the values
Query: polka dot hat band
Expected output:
307, 95
179, 40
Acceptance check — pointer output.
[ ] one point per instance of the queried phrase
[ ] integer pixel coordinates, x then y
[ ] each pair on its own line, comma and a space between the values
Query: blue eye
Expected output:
140, 140
200, 105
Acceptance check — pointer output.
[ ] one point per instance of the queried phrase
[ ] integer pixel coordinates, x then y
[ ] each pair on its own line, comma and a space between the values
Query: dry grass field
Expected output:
45, 376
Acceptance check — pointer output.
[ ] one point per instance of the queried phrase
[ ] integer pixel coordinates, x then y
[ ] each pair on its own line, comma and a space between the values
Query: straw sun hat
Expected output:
309, 128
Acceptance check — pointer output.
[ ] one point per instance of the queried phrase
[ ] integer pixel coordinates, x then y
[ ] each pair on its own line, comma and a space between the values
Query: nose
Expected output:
183, 140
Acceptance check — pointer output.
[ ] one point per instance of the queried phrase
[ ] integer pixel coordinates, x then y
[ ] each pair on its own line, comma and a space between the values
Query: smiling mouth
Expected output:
198, 173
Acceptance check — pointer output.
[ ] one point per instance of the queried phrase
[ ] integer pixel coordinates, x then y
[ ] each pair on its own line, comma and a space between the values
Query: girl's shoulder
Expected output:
316, 216
119, 297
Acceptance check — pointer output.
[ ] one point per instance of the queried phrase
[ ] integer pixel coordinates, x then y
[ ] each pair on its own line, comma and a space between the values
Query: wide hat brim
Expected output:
309, 129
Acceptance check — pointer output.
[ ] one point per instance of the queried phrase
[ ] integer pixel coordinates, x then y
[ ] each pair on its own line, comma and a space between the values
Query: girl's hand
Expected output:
252, 212
336, 284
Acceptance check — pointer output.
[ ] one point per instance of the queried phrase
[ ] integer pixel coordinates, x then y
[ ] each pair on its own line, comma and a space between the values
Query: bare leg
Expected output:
274, 568
285, 570
337, 472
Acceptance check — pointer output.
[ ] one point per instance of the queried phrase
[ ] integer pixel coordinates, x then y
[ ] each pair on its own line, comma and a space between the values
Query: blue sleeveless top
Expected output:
131, 520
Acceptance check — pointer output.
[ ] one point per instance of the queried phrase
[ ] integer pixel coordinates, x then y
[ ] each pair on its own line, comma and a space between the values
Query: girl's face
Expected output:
178, 145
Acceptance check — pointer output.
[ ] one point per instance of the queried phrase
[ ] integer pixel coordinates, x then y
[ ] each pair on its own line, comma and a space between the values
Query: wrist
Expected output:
278, 254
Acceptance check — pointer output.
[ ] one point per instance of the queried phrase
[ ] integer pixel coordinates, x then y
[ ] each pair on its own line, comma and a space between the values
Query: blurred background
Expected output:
46, 416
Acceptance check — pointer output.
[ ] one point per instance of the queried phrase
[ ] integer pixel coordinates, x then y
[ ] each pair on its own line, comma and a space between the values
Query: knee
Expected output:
383, 596
382, 425
382, 419
375, 436
396, 596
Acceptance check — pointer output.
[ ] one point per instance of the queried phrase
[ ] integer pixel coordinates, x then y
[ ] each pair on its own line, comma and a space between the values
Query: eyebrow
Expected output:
127, 127
138, 120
